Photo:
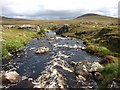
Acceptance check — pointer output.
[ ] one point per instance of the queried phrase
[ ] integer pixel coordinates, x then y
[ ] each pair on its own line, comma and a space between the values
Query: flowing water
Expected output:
31, 65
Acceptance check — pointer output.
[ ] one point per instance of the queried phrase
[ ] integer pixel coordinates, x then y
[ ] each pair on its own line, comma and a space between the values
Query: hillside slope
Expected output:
97, 18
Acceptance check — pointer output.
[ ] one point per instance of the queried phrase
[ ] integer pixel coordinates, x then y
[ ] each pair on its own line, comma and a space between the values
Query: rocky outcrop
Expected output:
28, 27
88, 73
86, 67
63, 29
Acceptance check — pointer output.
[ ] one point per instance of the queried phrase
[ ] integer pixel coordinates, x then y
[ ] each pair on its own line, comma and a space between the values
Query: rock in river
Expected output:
96, 67
11, 77
85, 68
80, 78
42, 50
83, 48
81, 68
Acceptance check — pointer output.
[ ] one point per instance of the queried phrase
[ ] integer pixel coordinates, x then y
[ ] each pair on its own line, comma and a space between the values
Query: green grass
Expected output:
14, 40
99, 49
110, 73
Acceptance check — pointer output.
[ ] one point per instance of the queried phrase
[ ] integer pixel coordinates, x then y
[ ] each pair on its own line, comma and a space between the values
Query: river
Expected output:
31, 65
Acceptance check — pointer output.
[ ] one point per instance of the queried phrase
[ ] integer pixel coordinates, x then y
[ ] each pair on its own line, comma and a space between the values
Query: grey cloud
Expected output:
63, 14
52, 14
47, 14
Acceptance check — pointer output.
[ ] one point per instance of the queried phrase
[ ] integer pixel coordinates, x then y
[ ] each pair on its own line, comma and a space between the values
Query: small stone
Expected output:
80, 78
77, 42
98, 76
83, 48
72, 63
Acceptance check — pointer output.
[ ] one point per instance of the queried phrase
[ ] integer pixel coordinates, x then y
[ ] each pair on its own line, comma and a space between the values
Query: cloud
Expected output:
57, 9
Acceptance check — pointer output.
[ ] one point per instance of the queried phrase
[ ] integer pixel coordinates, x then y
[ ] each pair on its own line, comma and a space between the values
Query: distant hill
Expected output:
97, 18
6, 20
92, 15
88, 15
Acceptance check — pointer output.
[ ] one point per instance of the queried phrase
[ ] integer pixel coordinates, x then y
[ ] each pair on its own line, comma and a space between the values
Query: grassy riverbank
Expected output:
14, 40
102, 41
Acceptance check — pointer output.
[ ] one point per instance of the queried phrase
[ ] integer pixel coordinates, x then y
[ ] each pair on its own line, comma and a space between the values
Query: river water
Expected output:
31, 65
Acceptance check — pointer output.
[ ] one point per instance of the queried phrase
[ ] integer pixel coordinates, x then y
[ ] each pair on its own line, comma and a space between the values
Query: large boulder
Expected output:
3, 79
11, 77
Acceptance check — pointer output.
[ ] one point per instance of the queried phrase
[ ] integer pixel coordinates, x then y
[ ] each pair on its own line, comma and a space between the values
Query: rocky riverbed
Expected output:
61, 63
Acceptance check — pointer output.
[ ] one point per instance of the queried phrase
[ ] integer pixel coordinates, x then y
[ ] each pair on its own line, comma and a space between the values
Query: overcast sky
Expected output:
57, 9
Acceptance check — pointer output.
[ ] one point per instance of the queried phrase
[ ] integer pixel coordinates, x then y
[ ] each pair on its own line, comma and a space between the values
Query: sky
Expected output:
57, 9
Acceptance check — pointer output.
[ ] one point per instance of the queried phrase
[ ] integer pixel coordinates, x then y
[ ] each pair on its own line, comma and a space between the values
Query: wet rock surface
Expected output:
42, 50
11, 77
66, 66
